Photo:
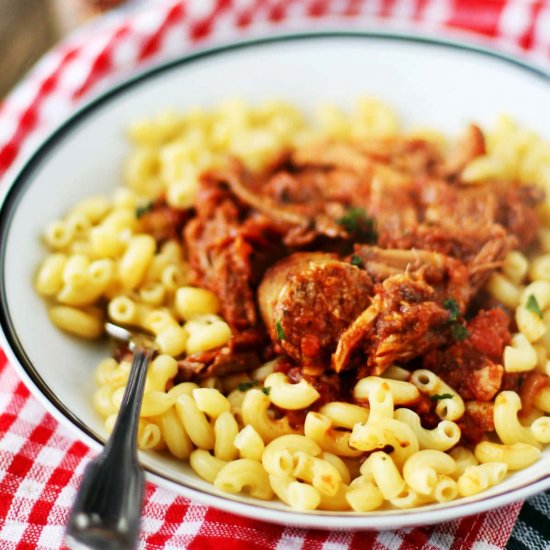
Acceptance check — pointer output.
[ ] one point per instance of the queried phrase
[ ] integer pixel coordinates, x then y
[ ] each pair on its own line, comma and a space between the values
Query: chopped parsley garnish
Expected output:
459, 332
245, 386
357, 261
533, 305
358, 224
454, 311
143, 209
280, 332
352, 219
440, 396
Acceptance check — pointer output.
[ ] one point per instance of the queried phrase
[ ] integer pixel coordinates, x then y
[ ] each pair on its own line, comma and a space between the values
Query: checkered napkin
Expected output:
40, 462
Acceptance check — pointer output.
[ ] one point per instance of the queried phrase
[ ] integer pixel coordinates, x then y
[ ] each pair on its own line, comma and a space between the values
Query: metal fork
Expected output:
107, 508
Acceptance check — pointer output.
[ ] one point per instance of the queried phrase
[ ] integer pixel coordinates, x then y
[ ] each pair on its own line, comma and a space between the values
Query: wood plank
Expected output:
27, 30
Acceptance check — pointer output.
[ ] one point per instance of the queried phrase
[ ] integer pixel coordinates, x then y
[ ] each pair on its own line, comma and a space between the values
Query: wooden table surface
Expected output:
28, 28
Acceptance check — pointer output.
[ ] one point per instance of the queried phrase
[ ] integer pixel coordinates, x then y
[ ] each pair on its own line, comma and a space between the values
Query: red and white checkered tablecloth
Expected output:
40, 462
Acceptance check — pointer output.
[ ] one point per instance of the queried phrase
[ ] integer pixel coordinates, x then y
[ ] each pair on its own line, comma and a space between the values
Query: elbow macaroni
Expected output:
290, 396
429, 383
478, 478
363, 495
384, 432
254, 412
516, 456
244, 475
422, 470
403, 393
441, 438
344, 415
507, 425
239, 440
385, 474
320, 429
300, 496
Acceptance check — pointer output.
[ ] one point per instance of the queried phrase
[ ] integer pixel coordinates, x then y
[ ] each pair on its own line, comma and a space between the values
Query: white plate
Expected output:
430, 82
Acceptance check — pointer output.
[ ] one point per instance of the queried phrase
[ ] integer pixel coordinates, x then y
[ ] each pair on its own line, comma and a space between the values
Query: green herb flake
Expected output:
357, 261
280, 332
358, 224
143, 209
266, 390
454, 311
440, 396
351, 219
459, 332
533, 305
245, 386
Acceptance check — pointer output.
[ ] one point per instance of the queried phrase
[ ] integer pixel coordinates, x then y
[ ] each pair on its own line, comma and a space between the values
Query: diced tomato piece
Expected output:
489, 332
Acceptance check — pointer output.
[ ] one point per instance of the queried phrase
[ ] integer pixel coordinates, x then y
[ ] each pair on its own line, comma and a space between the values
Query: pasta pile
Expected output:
362, 456
514, 153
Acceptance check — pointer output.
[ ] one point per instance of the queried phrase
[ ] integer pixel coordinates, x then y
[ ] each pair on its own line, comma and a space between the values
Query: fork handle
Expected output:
107, 508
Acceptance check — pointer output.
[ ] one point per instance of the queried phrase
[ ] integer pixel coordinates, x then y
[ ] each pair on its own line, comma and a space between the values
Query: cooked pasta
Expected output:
321, 294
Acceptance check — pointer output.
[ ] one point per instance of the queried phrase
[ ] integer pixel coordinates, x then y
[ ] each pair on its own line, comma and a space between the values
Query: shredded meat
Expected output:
162, 221
347, 257
473, 366
217, 362
404, 321
308, 299
471, 428
227, 248
481, 413
470, 146
517, 213
448, 277
245, 351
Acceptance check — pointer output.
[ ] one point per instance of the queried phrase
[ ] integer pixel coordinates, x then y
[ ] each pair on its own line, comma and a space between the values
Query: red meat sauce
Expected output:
343, 258
161, 221
473, 366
